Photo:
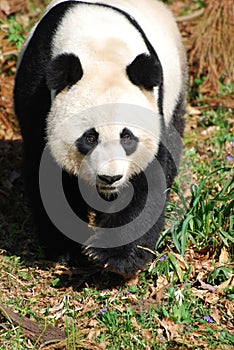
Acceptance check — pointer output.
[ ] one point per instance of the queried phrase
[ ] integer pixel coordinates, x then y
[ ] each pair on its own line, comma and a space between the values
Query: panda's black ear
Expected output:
145, 71
64, 70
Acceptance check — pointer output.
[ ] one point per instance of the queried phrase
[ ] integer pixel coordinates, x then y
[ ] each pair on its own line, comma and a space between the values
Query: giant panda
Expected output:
100, 97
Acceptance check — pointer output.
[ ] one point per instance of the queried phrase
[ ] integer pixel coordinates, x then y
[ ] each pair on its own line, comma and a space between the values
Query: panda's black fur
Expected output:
38, 73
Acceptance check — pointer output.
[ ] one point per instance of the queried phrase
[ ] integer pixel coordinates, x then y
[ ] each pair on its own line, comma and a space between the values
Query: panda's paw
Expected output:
91, 253
125, 262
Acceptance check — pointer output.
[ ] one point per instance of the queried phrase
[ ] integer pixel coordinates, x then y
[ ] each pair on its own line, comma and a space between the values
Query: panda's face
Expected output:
112, 154
107, 150
104, 145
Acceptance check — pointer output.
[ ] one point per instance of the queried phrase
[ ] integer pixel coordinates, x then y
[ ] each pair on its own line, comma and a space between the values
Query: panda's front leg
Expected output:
105, 250
124, 237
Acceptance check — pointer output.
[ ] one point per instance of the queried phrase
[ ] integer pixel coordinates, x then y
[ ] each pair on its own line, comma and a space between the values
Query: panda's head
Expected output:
104, 124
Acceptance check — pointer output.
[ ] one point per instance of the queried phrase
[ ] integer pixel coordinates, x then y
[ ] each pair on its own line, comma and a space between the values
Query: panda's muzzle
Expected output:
109, 180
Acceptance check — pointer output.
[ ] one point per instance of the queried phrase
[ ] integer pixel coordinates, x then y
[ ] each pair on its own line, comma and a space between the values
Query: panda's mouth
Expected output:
108, 193
106, 189
108, 184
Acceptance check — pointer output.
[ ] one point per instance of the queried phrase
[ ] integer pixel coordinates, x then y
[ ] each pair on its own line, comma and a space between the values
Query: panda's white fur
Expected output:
157, 23
106, 43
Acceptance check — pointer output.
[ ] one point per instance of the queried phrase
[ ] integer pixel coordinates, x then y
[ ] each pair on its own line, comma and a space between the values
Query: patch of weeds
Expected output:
122, 330
225, 88
219, 118
210, 138
200, 3
180, 314
34, 5
181, 306
194, 92
191, 7
168, 265
56, 282
219, 275
14, 337
215, 337
208, 221
14, 32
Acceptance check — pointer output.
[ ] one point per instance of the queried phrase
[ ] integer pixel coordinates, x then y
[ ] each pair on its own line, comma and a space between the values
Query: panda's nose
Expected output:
109, 179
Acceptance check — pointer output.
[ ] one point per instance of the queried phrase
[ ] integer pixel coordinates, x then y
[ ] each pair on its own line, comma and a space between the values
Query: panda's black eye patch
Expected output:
88, 141
64, 70
128, 141
145, 71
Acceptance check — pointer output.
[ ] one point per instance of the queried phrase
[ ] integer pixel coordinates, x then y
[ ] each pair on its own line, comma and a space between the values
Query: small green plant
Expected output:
110, 319
219, 275
225, 88
200, 3
194, 92
14, 31
168, 265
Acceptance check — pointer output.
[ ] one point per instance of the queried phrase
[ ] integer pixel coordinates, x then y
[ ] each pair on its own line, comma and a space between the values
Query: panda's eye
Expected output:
91, 139
88, 141
126, 137
129, 141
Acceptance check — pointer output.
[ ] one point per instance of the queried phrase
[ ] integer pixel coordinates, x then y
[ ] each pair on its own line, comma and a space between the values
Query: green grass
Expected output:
208, 221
